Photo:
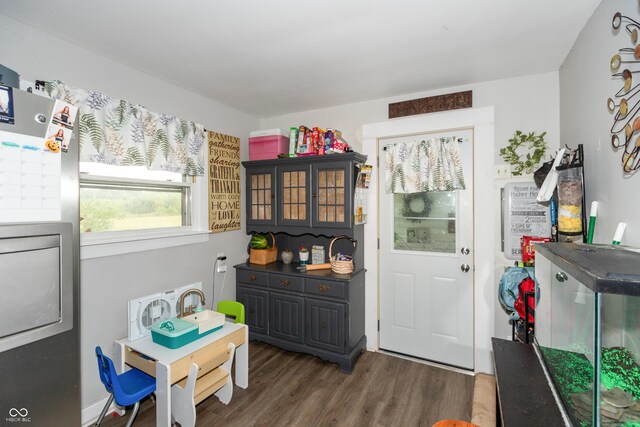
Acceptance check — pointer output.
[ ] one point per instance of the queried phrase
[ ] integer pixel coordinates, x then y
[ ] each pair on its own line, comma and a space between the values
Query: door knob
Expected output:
464, 251
464, 268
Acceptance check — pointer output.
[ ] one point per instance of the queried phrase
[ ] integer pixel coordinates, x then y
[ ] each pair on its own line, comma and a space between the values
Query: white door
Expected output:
426, 266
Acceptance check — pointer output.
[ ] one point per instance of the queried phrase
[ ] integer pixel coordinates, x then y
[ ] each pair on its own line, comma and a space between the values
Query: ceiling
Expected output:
273, 57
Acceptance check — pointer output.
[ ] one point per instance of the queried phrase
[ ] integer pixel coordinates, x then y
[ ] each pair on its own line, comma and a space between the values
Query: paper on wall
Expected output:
30, 174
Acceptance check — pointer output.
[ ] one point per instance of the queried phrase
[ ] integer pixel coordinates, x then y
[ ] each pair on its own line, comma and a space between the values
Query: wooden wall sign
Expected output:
431, 104
224, 182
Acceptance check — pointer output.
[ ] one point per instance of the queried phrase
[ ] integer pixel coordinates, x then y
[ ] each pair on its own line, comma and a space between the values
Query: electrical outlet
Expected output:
221, 264
502, 171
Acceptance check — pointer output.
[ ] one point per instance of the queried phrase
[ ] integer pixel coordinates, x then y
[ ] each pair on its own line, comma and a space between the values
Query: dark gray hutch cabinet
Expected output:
305, 201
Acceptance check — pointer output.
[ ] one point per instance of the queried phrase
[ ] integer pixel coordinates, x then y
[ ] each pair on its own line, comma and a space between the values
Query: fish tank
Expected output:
587, 332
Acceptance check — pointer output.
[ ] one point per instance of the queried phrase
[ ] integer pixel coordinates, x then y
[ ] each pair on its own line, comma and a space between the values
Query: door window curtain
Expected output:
117, 132
420, 166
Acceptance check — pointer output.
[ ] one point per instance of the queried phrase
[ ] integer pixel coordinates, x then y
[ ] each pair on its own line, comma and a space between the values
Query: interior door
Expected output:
426, 266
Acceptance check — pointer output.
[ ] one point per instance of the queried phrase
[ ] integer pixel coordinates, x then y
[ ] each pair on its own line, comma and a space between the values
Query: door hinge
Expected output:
378, 243
378, 162
378, 324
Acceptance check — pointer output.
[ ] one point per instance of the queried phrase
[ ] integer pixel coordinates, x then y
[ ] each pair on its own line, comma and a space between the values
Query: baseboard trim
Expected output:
428, 362
91, 413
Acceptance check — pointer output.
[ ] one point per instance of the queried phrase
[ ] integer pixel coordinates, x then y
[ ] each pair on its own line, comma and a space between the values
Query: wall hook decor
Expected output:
626, 119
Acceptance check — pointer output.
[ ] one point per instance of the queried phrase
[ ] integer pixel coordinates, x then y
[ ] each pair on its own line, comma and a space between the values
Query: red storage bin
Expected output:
267, 144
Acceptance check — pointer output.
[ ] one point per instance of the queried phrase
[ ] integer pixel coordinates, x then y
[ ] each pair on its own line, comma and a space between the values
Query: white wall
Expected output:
529, 103
109, 282
585, 85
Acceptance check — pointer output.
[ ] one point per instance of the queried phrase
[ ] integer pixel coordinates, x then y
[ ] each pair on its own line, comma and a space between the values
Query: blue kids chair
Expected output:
127, 389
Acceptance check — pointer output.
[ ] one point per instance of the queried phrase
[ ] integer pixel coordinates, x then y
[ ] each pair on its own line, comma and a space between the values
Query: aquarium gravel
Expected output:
573, 375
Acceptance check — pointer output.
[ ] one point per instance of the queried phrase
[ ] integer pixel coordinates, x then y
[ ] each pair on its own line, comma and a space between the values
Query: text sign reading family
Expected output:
224, 182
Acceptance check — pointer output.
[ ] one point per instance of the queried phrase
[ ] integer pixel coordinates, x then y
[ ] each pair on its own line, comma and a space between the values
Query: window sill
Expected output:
117, 243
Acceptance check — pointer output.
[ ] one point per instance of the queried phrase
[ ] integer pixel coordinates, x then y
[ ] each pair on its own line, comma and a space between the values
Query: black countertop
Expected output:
609, 269
279, 267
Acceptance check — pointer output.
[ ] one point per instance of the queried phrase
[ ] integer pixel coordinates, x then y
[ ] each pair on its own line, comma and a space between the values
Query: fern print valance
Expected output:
117, 132
430, 165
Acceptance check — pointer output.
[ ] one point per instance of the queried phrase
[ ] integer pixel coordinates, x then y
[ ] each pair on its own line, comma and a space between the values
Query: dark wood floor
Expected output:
291, 389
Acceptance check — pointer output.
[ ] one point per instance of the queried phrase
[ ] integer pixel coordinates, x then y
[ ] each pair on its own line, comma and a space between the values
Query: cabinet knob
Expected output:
324, 288
562, 276
323, 325
252, 278
284, 282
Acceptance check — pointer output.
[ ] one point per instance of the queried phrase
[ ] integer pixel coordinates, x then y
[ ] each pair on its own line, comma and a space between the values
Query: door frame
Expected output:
484, 232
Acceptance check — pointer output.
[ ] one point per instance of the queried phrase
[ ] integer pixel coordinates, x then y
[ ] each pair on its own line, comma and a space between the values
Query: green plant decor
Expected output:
536, 146
416, 204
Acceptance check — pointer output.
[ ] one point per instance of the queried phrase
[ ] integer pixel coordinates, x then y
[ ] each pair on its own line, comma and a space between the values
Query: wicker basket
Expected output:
341, 267
264, 256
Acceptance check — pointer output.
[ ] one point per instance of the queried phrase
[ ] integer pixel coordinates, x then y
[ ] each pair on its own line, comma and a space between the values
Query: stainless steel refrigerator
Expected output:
39, 270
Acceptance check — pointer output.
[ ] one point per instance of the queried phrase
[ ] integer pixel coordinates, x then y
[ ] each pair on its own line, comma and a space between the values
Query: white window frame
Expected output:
109, 243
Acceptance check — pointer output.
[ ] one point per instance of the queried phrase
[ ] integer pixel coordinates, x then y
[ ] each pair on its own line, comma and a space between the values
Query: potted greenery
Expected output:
303, 255
535, 147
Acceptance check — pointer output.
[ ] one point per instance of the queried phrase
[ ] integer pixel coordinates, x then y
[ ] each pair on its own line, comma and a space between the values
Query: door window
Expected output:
425, 222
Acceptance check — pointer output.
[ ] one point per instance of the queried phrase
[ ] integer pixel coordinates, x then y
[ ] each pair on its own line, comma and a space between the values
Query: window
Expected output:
125, 209
425, 221
117, 198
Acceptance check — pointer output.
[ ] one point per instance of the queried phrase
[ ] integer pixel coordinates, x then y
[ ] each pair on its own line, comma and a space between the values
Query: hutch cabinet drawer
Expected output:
286, 283
326, 288
252, 277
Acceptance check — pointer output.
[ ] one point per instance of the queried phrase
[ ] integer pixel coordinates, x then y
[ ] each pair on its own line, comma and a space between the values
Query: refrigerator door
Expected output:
39, 332
36, 282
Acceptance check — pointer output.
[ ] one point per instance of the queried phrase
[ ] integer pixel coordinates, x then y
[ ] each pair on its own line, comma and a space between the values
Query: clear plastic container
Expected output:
570, 201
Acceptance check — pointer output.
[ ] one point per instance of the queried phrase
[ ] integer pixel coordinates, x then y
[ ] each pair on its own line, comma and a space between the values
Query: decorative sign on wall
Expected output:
523, 216
626, 120
431, 104
224, 182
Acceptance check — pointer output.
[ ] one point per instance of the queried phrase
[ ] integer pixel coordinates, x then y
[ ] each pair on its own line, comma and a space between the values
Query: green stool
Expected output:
233, 309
